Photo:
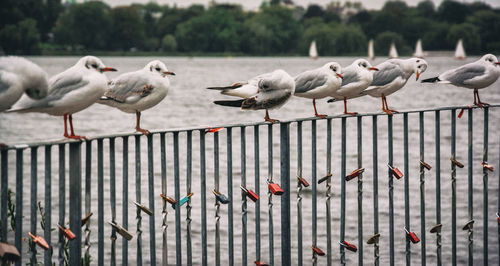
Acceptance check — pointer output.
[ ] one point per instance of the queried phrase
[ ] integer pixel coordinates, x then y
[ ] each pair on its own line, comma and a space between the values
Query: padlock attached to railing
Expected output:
303, 181
274, 188
456, 163
318, 251
39, 241
250, 194
498, 218
373, 239
468, 225
9, 253
260, 263
425, 165
220, 197
184, 200
66, 232
354, 174
86, 218
436, 228
122, 231
349, 246
323, 179
412, 236
395, 172
143, 208
167, 199
487, 166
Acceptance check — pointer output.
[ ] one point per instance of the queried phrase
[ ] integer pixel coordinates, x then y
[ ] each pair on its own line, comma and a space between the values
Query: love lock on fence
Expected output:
468, 225
436, 228
220, 197
373, 239
487, 166
39, 241
250, 194
318, 251
260, 263
425, 165
349, 246
303, 181
167, 199
274, 188
143, 208
122, 231
323, 179
86, 219
456, 163
66, 232
395, 172
354, 174
412, 236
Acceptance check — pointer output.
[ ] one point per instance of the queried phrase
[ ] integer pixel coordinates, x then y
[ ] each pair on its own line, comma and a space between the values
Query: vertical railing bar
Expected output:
229, 142
243, 198
328, 192
406, 188
100, 202
391, 190
360, 191
3, 196
138, 196
34, 179
62, 201
498, 208
299, 194
453, 190
485, 187
178, 244
125, 198
269, 194
438, 185
19, 202
376, 260
217, 204
203, 187
257, 190
88, 189
189, 150
342, 191
151, 199
470, 189
164, 224
75, 202
423, 256
112, 197
314, 190
48, 203
285, 198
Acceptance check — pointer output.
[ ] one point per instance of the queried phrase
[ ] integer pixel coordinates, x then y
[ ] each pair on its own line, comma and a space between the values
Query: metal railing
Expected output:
204, 237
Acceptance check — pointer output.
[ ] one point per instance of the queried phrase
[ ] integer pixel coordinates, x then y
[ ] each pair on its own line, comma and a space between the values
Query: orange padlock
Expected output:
67, 232
412, 236
303, 181
349, 246
260, 263
39, 241
318, 251
354, 174
425, 165
167, 199
487, 166
395, 172
457, 163
86, 218
250, 194
275, 188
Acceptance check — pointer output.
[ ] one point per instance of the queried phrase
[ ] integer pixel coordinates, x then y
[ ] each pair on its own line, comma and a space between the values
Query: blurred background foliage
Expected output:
277, 28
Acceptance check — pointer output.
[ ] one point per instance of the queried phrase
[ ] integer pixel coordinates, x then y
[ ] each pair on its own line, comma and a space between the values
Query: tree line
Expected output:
48, 26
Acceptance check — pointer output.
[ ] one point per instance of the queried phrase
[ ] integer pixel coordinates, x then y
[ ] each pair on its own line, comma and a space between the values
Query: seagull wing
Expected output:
309, 81
128, 88
386, 74
462, 75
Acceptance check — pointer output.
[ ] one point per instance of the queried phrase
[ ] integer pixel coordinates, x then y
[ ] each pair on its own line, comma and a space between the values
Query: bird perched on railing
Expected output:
71, 91
319, 83
134, 92
475, 75
357, 77
266, 91
17, 76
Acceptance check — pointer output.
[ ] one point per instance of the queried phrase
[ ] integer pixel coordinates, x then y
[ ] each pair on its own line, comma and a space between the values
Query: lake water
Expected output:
188, 104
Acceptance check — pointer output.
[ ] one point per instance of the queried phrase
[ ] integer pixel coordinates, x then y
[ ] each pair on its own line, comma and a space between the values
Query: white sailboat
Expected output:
393, 53
371, 53
460, 51
313, 53
419, 52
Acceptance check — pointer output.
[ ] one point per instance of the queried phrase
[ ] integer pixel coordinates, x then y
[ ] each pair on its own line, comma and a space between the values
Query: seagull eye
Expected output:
94, 65
157, 69
418, 61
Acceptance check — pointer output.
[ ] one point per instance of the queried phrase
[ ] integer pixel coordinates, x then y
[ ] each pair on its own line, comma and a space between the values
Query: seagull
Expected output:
266, 91
17, 76
357, 77
475, 75
319, 83
72, 91
137, 91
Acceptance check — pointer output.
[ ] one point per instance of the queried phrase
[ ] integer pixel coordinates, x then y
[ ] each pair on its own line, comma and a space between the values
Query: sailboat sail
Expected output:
393, 53
371, 54
313, 53
460, 51
418, 50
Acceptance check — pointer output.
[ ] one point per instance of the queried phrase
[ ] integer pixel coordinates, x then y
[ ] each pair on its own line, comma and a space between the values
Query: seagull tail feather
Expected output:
331, 100
431, 80
233, 103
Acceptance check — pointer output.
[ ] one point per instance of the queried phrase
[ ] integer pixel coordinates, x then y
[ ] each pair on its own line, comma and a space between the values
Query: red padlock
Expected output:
303, 181
395, 172
250, 194
354, 174
425, 165
318, 251
260, 263
66, 232
498, 218
412, 236
487, 166
349, 246
457, 163
275, 188
167, 198
39, 241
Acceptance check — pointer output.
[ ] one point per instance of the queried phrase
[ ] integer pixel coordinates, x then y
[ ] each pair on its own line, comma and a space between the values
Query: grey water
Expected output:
189, 104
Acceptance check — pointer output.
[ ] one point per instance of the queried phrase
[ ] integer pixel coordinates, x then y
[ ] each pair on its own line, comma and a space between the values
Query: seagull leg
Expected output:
387, 107
316, 112
384, 106
345, 108
138, 124
479, 103
268, 119
72, 135
66, 126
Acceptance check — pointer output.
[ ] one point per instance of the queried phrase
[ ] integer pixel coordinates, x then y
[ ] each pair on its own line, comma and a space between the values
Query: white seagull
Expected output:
266, 91
475, 75
137, 91
319, 83
357, 77
17, 76
72, 91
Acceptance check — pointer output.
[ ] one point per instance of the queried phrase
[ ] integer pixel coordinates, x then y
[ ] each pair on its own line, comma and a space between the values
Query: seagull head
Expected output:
335, 68
279, 80
490, 59
94, 63
364, 64
418, 65
159, 68
34, 78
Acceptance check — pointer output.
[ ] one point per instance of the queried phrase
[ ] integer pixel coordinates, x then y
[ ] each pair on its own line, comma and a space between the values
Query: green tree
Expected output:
384, 40
168, 43
426, 8
452, 11
128, 27
488, 26
435, 39
20, 38
469, 34
325, 36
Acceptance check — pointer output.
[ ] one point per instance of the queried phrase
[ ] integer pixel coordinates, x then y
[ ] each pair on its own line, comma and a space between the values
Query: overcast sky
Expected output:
254, 4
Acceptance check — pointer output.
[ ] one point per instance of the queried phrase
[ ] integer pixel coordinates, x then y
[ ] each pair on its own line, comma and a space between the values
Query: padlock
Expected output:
167, 199
436, 228
275, 188
250, 194
260, 263
468, 225
212, 130
354, 174
323, 179
9, 252
498, 218
39, 241
318, 251
66, 232
457, 163
303, 181
425, 165
122, 231
185, 199
373, 239
412, 236
487, 166
220, 197
349, 246
143, 208
395, 172
86, 218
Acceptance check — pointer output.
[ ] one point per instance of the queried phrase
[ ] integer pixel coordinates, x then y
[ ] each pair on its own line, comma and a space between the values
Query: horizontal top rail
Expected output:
162, 131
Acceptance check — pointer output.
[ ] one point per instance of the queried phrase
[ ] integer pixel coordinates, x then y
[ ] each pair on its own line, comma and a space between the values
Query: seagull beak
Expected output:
104, 69
169, 73
340, 76
497, 63
418, 75
373, 68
